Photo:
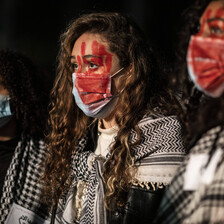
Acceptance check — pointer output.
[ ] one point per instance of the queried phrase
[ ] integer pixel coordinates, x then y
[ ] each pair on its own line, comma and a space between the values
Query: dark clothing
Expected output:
141, 207
22, 185
205, 202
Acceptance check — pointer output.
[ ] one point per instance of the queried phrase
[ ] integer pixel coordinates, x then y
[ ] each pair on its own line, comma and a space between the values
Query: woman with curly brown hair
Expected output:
196, 194
115, 142
22, 151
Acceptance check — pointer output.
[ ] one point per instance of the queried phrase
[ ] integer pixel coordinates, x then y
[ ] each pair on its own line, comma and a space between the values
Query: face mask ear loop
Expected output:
128, 78
117, 72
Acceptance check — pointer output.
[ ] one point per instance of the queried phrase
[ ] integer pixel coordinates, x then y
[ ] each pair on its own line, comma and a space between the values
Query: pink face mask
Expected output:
92, 93
205, 60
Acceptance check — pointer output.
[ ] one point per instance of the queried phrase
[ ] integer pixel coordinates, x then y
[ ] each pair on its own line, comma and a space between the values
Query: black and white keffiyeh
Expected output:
22, 185
161, 145
206, 203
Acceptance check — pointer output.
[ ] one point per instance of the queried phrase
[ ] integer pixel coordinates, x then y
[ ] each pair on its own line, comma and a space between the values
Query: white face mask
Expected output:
5, 112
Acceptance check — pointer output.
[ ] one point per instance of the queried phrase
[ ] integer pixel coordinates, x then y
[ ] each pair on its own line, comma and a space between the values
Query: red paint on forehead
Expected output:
219, 13
83, 52
208, 14
83, 48
95, 47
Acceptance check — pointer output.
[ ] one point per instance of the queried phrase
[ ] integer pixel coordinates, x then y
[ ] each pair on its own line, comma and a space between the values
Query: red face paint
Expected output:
108, 57
204, 19
99, 57
212, 21
99, 50
91, 81
79, 60
92, 76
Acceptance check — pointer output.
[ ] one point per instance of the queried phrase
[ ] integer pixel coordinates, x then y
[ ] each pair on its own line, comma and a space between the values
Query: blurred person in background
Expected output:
23, 113
196, 194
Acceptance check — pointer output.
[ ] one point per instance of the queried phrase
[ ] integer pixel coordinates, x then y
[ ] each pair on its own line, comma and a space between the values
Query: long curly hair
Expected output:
27, 98
145, 89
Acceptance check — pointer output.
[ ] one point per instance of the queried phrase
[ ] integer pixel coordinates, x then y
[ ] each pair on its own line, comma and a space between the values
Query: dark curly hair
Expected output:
200, 111
145, 90
28, 99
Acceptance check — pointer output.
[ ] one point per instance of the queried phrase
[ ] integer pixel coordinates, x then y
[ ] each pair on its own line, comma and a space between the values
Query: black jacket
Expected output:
141, 207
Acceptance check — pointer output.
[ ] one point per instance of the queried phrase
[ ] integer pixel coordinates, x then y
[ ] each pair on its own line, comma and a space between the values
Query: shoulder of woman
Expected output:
206, 141
159, 118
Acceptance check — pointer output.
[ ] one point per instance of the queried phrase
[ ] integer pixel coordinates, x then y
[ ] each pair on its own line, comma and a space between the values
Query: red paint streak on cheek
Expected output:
108, 58
204, 19
88, 72
79, 60
108, 62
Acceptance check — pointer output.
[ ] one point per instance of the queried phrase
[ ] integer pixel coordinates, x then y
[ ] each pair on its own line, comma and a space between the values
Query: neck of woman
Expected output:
108, 122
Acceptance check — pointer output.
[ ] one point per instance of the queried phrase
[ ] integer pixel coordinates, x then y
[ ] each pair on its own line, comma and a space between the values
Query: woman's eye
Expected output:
93, 66
75, 66
216, 30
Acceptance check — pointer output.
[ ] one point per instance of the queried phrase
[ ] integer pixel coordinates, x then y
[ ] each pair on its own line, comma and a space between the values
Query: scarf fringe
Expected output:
154, 186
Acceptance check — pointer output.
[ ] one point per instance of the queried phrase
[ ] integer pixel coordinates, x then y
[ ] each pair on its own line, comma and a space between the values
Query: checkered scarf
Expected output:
205, 205
21, 185
160, 136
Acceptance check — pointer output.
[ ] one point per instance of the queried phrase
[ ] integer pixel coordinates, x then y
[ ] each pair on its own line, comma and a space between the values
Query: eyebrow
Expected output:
72, 57
214, 19
86, 56
91, 56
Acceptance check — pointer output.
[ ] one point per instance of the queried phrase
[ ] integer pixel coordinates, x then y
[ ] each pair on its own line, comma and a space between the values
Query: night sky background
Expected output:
33, 27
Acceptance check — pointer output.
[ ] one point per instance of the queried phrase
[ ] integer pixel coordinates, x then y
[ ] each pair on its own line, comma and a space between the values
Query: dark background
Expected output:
34, 26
